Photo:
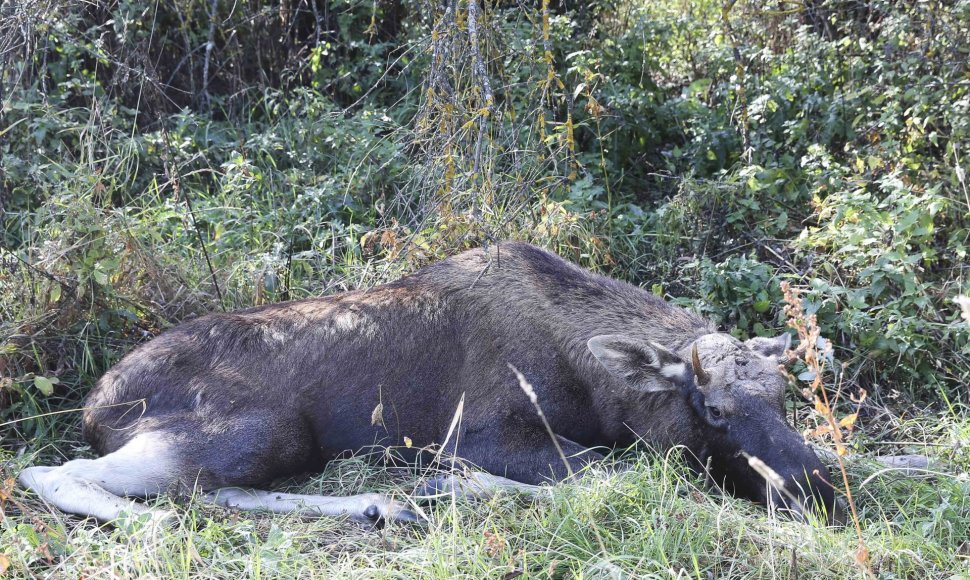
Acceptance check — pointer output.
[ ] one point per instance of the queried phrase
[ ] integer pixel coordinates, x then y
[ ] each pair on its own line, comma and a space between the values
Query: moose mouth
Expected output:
810, 493
798, 507
803, 497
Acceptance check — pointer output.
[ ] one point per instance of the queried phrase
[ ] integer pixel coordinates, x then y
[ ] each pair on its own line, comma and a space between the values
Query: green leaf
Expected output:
45, 385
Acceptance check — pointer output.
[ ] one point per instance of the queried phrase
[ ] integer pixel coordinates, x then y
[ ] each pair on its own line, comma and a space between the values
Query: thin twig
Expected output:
739, 71
209, 45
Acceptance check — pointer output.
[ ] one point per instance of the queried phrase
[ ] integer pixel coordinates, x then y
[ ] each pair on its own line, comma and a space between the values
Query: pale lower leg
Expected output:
94, 487
76, 496
368, 507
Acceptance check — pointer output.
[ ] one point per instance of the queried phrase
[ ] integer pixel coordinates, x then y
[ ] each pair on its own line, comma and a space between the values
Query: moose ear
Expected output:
774, 347
646, 366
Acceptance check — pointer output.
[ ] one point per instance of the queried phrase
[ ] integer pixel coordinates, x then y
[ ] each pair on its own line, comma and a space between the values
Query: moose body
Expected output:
234, 400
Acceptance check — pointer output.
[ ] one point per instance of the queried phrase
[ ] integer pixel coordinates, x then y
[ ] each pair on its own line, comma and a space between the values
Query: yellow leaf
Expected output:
964, 303
848, 420
821, 430
407, 442
4, 564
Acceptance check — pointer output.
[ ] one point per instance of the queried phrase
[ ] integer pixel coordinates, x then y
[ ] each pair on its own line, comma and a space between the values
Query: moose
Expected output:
229, 402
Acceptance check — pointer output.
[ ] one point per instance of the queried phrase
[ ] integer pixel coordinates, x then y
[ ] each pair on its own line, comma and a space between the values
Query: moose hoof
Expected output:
380, 510
409, 516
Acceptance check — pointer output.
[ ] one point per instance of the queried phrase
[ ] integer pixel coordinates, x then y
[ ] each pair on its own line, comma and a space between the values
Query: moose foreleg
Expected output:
476, 484
530, 459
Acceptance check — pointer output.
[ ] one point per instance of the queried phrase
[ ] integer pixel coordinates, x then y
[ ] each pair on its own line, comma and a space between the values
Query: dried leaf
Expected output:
377, 416
6, 490
4, 564
821, 430
367, 241
862, 556
964, 303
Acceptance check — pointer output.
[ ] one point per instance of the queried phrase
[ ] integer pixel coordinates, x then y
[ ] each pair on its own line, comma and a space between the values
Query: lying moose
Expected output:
227, 402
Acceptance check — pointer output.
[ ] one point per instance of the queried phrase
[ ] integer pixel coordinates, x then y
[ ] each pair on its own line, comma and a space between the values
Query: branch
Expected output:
209, 45
484, 85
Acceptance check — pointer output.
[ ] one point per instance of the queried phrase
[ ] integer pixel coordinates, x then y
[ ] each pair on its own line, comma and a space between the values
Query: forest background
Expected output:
161, 160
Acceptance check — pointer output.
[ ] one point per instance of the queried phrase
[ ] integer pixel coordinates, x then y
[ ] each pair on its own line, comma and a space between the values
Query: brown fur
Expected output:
265, 392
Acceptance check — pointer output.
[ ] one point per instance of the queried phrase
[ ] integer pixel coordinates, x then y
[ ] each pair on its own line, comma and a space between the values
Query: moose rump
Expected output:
240, 399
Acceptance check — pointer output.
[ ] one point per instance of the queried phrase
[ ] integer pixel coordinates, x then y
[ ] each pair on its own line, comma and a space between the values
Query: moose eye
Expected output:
715, 412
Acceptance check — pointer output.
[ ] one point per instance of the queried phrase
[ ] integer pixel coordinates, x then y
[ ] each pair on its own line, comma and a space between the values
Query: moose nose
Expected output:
797, 505
822, 498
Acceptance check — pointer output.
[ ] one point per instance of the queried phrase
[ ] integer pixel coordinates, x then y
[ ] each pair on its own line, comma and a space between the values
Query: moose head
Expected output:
735, 404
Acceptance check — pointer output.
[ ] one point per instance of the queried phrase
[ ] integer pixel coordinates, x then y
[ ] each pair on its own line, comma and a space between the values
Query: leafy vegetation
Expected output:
162, 160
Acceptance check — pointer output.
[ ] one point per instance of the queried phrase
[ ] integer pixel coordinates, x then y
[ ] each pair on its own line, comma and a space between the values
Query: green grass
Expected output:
654, 520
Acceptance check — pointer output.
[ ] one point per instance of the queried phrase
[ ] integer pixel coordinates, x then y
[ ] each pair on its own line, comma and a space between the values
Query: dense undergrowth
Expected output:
162, 160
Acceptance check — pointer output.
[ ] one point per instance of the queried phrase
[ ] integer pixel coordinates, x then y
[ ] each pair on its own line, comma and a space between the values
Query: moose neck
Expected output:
557, 306
624, 309
574, 305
